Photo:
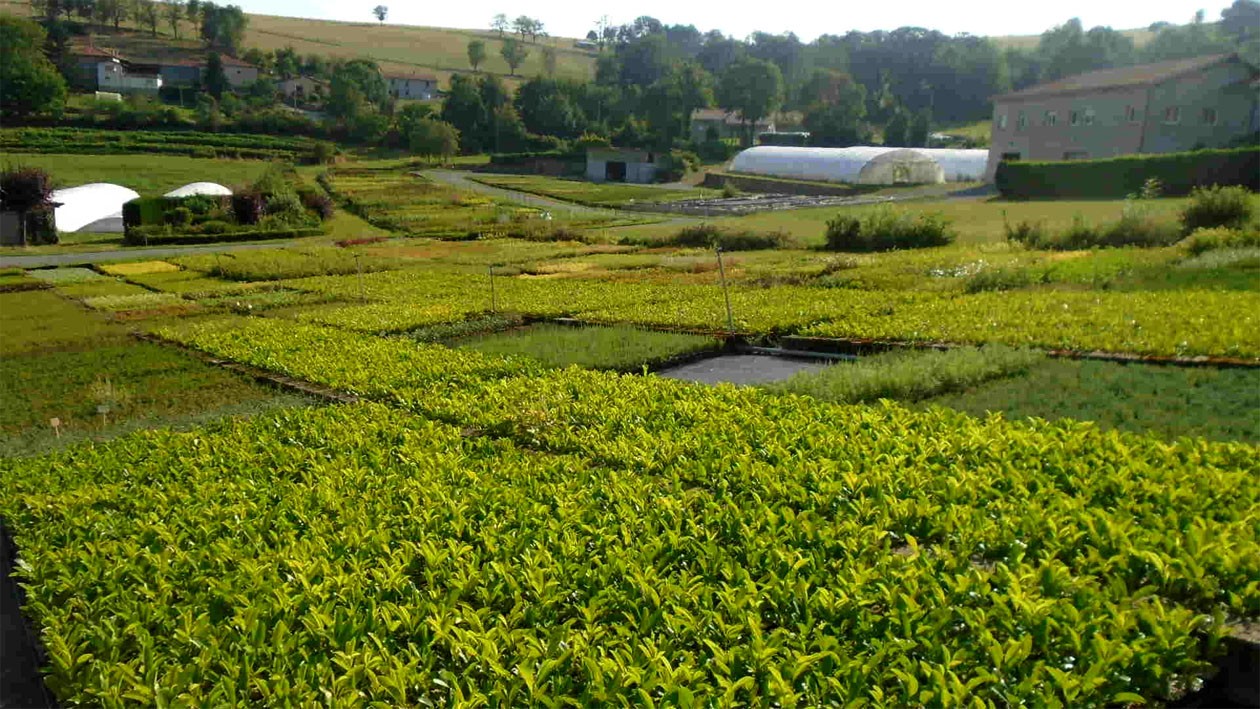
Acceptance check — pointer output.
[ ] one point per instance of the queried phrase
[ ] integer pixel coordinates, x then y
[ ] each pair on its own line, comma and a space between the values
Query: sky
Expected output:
807, 18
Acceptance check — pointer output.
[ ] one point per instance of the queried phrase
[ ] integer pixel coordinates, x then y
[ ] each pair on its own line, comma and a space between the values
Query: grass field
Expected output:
59, 360
1220, 404
591, 193
147, 174
619, 349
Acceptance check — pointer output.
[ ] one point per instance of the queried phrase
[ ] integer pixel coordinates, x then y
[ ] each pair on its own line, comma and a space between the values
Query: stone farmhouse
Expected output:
1172, 106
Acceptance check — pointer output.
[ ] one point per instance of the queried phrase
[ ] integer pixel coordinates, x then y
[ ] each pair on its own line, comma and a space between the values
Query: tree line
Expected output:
649, 77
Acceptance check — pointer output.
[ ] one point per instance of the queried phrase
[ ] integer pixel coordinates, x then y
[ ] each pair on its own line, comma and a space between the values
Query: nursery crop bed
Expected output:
602, 537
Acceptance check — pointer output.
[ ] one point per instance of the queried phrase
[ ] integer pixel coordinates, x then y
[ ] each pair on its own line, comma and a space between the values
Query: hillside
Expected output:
398, 48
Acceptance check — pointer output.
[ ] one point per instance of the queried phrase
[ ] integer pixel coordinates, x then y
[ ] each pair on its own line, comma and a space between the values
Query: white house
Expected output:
114, 76
412, 86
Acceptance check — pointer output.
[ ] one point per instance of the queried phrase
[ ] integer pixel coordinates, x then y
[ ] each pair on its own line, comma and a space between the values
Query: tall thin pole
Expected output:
726, 293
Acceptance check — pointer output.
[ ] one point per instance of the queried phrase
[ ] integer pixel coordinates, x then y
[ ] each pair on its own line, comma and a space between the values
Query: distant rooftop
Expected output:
1121, 77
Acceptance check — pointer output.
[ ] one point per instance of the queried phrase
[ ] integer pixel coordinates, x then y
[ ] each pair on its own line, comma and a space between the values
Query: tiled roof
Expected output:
90, 51
411, 77
1121, 77
717, 114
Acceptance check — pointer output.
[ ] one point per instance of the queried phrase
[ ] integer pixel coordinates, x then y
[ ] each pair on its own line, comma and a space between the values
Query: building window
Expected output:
1131, 114
1050, 119
1074, 118
1001, 121
1209, 116
1010, 157
1089, 116
1022, 121
1172, 115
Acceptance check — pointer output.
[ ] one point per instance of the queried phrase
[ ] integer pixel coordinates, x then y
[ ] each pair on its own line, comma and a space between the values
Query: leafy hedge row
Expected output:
191, 143
1178, 173
156, 235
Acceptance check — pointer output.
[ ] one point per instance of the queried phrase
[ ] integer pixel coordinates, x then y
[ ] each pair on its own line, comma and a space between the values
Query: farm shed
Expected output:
620, 165
213, 189
96, 207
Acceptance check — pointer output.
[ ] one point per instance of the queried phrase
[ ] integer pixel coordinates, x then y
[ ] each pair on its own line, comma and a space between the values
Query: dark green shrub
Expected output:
179, 216
1026, 233
1177, 173
1136, 228
887, 229
1203, 240
247, 207
24, 188
1217, 206
285, 206
146, 211
710, 236
215, 227
674, 165
317, 203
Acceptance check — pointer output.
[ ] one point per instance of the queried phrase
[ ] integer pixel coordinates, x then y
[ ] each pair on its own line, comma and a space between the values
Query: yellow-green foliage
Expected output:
743, 537
138, 268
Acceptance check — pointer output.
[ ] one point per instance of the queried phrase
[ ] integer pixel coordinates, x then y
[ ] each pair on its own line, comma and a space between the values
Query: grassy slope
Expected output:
147, 174
398, 48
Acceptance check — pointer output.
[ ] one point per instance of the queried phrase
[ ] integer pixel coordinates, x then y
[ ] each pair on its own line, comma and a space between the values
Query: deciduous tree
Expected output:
29, 83
514, 53
753, 88
381, 12
476, 53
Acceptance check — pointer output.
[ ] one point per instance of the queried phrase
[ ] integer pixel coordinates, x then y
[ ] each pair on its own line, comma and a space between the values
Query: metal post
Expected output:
726, 292
358, 266
494, 300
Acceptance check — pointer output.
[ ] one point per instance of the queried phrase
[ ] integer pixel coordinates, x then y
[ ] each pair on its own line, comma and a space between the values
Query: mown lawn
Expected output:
622, 349
147, 174
591, 193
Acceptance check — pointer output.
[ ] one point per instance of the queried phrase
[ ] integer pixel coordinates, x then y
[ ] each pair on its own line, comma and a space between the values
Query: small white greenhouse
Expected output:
96, 207
212, 189
863, 165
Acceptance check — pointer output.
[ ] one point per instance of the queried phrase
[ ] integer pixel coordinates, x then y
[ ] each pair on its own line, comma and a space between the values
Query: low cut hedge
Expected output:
1178, 174
159, 235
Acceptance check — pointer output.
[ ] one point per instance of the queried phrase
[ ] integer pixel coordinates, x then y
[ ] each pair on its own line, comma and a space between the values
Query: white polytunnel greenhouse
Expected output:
96, 207
213, 189
864, 165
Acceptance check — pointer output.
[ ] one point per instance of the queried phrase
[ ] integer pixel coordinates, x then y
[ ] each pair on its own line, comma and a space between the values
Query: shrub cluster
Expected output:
1218, 238
1136, 227
1177, 173
710, 236
887, 229
1217, 206
215, 231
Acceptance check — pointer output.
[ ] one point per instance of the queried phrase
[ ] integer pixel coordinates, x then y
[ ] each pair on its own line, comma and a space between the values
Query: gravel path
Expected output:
741, 369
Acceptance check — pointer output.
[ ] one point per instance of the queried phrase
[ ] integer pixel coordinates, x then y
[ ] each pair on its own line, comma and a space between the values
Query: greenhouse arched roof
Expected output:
871, 165
98, 205
200, 188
